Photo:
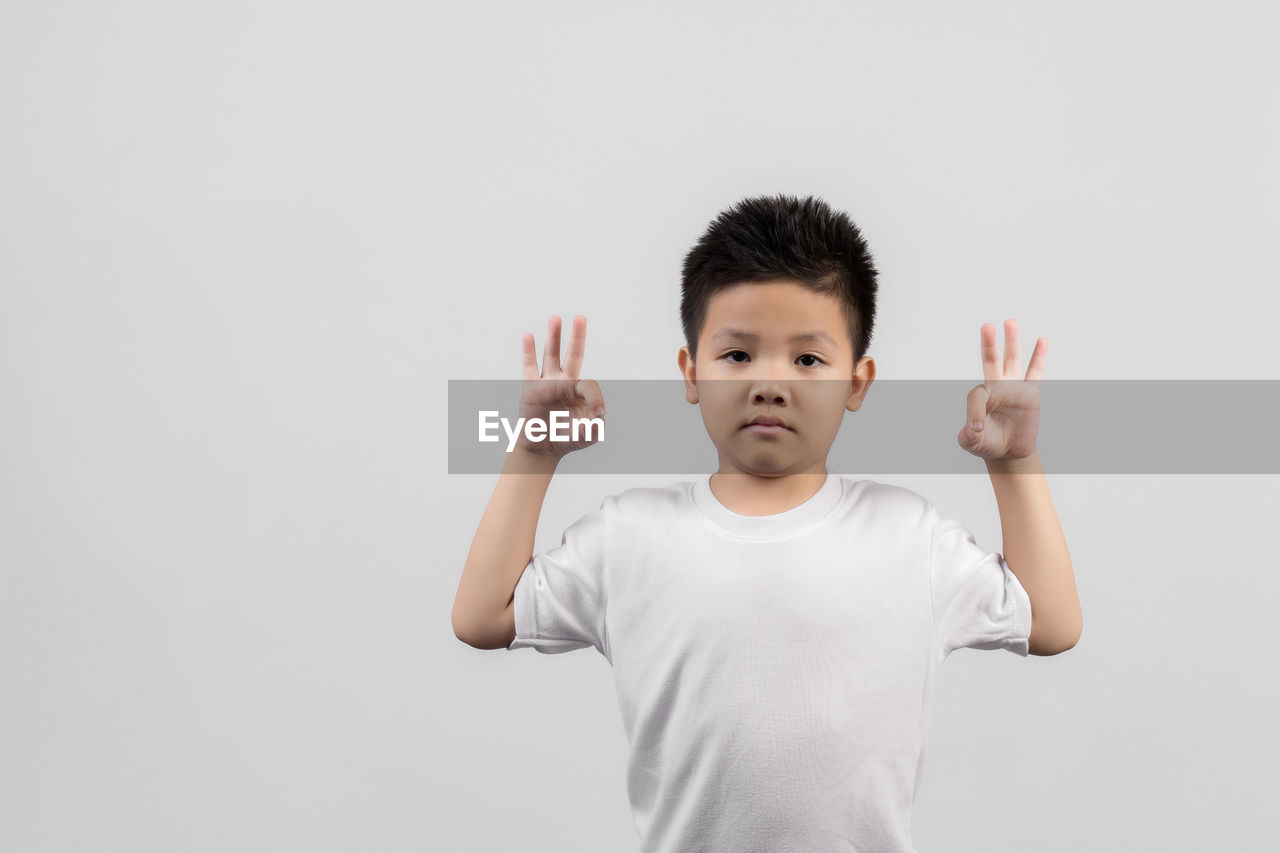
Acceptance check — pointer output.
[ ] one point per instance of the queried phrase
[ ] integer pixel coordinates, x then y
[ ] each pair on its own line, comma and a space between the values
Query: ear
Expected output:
685, 360
863, 375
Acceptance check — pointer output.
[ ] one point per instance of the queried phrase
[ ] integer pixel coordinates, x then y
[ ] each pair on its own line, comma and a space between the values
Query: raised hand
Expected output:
1005, 409
558, 389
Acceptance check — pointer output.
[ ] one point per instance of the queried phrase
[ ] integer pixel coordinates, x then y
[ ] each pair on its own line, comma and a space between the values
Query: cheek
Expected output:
719, 416
830, 397
825, 411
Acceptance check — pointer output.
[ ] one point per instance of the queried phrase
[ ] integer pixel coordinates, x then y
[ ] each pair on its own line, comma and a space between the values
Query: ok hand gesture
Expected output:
558, 389
1004, 411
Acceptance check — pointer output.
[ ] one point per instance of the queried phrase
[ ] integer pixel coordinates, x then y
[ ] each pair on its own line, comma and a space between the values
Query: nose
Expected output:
770, 391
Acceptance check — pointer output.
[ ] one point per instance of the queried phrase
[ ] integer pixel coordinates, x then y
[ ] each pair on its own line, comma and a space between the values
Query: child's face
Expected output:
737, 378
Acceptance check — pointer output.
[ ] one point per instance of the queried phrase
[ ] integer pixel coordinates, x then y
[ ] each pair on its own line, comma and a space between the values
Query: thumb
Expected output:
975, 415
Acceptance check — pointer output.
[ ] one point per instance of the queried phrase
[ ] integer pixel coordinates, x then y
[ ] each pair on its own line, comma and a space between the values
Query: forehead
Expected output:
773, 309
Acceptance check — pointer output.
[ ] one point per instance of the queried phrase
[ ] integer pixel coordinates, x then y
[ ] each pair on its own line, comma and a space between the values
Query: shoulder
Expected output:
642, 507
646, 500
888, 501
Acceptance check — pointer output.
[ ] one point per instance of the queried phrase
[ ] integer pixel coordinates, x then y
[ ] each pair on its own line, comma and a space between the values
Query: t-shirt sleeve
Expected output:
978, 602
560, 596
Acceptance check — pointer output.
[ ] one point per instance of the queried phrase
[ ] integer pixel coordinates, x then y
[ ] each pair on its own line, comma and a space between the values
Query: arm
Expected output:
503, 545
1003, 420
483, 608
1036, 551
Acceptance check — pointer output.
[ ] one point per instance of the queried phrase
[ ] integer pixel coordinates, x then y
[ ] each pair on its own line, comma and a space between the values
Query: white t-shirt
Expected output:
773, 672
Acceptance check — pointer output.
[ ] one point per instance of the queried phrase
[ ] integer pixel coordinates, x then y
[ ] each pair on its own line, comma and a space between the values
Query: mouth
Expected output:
767, 426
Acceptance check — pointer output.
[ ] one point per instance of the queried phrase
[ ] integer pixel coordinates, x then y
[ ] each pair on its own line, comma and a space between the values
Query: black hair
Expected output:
782, 237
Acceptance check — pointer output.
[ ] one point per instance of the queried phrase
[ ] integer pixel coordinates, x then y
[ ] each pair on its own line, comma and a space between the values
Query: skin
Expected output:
734, 379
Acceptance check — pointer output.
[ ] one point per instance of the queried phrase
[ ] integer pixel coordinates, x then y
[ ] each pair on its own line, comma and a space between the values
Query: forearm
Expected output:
503, 544
1036, 550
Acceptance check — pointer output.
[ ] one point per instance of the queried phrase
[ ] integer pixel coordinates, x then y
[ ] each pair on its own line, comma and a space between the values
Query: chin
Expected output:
765, 464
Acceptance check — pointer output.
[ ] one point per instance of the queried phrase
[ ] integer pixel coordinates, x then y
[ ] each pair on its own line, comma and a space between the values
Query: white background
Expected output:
244, 245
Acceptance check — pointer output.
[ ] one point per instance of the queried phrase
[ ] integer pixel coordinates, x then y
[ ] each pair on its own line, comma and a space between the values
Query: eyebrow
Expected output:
815, 335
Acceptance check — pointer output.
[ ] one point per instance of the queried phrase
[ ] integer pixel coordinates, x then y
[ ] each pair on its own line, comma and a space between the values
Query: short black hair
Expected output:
782, 237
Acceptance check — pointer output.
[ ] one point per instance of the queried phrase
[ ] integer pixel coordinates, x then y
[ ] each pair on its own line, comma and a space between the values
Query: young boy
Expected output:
774, 629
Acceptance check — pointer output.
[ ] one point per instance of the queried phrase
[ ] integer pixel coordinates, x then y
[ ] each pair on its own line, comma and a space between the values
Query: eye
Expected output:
731, 353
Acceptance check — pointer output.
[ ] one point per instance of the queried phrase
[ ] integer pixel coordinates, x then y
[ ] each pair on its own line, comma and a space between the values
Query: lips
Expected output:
766, 421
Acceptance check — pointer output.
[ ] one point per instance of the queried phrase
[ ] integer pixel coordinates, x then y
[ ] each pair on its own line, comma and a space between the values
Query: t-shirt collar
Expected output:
767, 526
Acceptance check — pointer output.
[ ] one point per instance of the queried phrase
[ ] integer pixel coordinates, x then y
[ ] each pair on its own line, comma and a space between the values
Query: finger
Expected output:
976, 411
551, 352
1035, 370
577, 345
987, 346
530, 356
1011, 357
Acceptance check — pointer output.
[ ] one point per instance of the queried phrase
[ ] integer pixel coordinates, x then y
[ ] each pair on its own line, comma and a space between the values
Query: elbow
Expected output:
486, 634
461, 629
1049, 643
1062, 647
1077, 628
1045, 648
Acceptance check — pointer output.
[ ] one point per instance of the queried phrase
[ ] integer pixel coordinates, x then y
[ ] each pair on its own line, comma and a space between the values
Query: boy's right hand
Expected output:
558, 389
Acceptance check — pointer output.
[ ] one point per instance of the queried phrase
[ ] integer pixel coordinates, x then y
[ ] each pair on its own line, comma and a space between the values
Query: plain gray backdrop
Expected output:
244, 245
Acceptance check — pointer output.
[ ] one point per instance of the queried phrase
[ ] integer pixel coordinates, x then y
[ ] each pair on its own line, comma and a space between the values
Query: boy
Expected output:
774, 629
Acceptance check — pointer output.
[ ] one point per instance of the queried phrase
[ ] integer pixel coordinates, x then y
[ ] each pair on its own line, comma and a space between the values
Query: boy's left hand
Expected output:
1006, 408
